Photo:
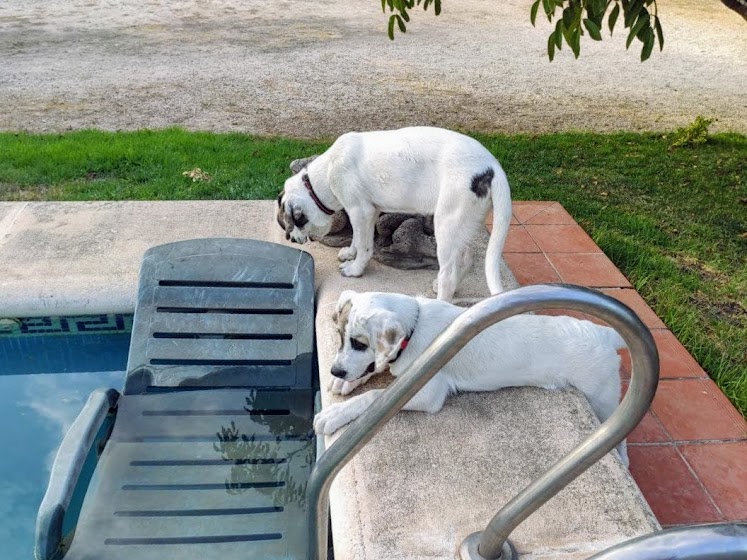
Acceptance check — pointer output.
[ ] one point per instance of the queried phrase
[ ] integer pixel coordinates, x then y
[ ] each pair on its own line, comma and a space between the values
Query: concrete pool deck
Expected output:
85, 257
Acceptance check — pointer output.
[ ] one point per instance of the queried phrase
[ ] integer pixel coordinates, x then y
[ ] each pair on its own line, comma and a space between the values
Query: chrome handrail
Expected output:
446, 345
725, 541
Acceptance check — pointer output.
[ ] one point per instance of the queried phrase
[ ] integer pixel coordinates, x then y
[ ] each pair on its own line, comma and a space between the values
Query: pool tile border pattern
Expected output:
689, 453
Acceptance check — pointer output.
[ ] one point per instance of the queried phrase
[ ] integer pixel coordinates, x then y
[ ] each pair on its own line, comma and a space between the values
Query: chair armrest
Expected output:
66, 470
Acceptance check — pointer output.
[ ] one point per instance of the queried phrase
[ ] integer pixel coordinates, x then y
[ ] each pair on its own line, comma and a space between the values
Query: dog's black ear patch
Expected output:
481, 183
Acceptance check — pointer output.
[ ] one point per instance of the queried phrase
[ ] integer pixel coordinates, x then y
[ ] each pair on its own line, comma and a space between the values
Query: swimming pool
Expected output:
48, 368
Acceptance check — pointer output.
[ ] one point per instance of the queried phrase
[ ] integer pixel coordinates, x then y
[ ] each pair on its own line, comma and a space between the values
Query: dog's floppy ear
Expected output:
342, 310
298, 164
386, 334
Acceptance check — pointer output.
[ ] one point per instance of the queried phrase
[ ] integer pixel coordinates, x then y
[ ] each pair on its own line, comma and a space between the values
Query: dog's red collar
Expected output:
402, 347
312, 194
406, 341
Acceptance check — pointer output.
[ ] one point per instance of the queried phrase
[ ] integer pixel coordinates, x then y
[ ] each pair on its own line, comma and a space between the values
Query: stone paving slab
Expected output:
84, 258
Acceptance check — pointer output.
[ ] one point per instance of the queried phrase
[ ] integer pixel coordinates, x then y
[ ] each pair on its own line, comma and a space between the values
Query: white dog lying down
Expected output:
417, 170
381, 330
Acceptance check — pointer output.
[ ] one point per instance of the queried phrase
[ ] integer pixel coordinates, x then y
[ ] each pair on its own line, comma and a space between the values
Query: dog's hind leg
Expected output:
465, 264
363, 220
464, 267
454, 233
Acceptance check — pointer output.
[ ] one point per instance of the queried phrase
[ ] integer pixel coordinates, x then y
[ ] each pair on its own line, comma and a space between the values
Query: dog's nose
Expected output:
339, 372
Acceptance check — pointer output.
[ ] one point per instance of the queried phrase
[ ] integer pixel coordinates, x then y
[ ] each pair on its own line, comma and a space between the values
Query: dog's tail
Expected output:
501, 197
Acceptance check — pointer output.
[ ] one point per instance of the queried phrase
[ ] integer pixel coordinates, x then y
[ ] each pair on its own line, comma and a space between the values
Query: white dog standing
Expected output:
417, 170
381, 330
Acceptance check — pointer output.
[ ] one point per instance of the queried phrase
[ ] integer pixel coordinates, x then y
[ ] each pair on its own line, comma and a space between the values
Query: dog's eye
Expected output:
358, 345
300, 220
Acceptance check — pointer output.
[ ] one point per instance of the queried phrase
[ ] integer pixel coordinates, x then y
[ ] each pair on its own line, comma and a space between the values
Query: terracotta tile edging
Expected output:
690, 415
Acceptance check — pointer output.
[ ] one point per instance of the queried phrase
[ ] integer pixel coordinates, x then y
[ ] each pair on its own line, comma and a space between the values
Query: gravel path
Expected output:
311, 68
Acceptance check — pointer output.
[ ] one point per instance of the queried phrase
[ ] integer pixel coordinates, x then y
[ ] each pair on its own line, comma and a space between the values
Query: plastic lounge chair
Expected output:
208, 446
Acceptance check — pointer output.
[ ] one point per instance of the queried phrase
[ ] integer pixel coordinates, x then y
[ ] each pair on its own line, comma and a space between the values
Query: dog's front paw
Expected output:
336, 386
346, 254
331, 419
351, 269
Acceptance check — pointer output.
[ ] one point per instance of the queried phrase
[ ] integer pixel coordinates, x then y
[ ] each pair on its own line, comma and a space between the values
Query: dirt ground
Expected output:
311, 68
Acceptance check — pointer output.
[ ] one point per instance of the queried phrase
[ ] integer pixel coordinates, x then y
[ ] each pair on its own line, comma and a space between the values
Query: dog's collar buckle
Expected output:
312, 194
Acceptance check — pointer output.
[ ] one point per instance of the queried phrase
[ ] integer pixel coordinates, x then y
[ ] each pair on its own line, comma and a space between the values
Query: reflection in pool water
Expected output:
35, 413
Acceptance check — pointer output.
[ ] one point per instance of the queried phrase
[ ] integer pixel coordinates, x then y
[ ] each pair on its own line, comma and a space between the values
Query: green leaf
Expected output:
600, 6
643, 19
613, 17
390, 3
549, 9
437, 5
405, 15
383, 6
568, 17
598, 20
576, 42
648, 45
634, 8
391, 27
401, 24
551, 46
567, 33
559, 34
659, 32
533, 13
593, 30
629, 40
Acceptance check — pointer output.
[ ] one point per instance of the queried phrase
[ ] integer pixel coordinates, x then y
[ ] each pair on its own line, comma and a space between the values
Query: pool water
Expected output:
64, 344
48, 368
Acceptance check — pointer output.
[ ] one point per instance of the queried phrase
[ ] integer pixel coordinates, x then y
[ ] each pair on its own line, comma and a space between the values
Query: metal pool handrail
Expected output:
725, 541
474, 320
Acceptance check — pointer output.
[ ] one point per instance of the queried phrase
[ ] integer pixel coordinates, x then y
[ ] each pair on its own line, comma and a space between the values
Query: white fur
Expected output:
417, 170
552, 352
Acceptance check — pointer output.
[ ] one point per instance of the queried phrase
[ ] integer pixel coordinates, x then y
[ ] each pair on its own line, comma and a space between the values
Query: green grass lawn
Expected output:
673, 220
